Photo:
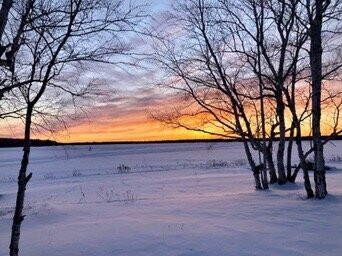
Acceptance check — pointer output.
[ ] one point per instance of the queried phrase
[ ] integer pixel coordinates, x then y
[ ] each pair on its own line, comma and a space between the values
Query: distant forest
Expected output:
9, 142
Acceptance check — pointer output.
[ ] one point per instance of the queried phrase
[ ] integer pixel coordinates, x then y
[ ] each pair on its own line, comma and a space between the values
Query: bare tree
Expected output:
297, 123
4, 11
270, 27
64, 35
218, 93
12, 41
315, 33
322, 22
230, 57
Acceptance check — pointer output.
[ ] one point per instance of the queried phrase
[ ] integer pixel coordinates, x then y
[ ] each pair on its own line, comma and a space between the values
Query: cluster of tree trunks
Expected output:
257, 69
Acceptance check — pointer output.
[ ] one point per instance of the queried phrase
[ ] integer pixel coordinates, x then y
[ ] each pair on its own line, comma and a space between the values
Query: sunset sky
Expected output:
124, 113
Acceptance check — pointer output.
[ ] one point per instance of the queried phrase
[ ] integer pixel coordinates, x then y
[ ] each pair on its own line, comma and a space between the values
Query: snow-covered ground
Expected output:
168, 199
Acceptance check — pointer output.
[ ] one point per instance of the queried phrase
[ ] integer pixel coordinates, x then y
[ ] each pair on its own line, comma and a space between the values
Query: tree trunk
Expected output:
281, 145
251, 162
316, 76
294, 175
297, 125
23, 179
289, 153
307, 183
270, 164
4, 11
264, 148
260, 36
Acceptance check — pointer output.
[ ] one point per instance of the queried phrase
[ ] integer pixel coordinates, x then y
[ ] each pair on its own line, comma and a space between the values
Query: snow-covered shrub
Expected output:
123, 169
76, 173
222, 164
217, 163
49, 176
128, 197
7, 180
335, 158
239, 162
109, 195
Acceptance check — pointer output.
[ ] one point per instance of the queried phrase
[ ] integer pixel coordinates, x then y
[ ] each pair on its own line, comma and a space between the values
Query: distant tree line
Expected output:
8, 143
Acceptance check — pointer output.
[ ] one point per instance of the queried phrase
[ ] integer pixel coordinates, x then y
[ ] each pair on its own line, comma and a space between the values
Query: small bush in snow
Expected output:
222, 164
76, 173
106, 195
123, 169
128, 197
49, 176
335, 158
7, 180
239, 162
218, 163
109, 195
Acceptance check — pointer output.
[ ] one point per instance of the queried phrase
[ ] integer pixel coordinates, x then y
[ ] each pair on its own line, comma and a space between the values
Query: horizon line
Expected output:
16, 142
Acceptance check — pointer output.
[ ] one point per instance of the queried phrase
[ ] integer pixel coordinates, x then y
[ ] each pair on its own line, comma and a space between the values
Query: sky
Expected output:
124, 113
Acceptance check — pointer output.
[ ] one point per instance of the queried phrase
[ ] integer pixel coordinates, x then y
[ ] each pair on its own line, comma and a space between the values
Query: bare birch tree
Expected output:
211, 79
230, 57
322, 22
11, 39
64, 35
276, 22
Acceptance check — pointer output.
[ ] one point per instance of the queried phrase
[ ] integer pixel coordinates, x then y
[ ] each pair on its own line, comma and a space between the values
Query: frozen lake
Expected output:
164, 199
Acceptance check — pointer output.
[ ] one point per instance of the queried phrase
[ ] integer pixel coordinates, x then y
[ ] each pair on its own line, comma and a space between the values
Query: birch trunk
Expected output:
316, 80
251, 162
307, 183
23, 179
294, 175
281, 145
264, 148
289, 153
270, 164
4, 11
